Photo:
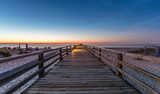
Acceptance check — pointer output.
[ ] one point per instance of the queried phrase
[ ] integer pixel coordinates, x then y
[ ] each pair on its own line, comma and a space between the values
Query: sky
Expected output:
80, 21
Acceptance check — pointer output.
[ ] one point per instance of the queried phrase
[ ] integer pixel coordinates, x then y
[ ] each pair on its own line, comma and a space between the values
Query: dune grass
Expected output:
5, 52
149, 51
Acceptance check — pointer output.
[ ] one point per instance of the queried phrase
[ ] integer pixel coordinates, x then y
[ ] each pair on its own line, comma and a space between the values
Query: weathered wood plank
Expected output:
81, 73
140, 71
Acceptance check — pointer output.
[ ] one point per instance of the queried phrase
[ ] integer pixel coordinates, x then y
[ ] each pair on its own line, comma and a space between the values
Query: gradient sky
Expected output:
109, 21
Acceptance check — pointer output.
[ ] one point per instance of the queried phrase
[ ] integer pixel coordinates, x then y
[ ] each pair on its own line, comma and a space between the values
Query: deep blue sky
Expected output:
120, 21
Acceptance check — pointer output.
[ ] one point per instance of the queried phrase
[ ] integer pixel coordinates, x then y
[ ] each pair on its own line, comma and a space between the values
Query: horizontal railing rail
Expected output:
149, 58
97, 51
29, 54
8, 76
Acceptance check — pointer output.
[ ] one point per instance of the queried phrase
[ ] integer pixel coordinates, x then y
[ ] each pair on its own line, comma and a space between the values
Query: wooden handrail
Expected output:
120, 71
141, 71
149, 58
26, 55
8, 76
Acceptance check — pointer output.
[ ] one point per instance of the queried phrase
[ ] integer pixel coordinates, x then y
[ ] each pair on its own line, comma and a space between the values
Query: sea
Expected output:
12, 45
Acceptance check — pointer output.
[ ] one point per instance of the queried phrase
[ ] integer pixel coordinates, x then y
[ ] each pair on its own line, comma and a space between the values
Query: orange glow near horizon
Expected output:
61, 42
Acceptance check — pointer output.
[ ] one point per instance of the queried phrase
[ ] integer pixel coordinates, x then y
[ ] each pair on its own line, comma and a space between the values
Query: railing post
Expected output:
70, 48
37, 49
120, 58
145, 51
60, 50
93, 51
89, 47
67, 50
41, 65
26, 46
100, 54
157, 51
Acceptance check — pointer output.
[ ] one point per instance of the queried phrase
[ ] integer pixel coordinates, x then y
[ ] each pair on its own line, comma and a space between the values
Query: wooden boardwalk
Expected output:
81, 73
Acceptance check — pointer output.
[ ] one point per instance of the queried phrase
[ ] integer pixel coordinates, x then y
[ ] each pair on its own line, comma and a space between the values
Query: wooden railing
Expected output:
121, 63
8, 76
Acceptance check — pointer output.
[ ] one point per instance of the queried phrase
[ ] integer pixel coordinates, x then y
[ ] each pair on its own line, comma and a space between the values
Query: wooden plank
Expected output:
24, 55
144, 86
81, 73
149, 58
140, 71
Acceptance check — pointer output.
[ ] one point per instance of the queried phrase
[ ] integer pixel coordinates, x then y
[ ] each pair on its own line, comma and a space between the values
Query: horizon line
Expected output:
53, 42
70, 43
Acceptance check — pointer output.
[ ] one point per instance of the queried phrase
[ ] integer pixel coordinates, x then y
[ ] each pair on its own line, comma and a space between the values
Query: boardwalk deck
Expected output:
81, 73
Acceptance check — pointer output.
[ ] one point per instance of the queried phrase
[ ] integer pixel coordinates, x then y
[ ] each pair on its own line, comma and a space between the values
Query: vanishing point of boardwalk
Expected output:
81, 73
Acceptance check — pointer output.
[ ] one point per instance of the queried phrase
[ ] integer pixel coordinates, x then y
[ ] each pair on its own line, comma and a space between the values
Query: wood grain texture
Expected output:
81, 73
